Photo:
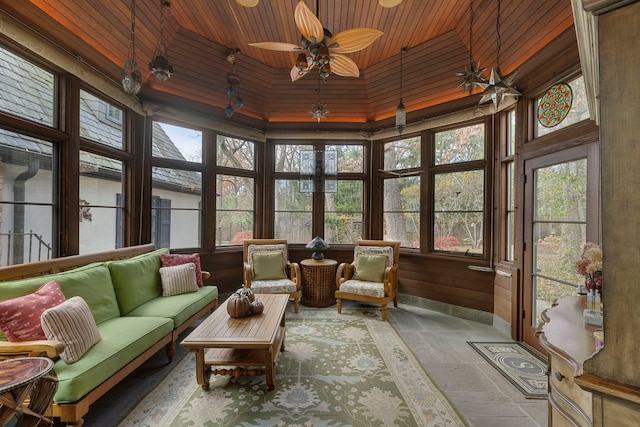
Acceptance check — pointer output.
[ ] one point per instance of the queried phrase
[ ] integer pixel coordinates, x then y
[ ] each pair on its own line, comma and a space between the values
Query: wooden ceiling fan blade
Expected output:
307, 23
280, 46
389, 3
344, 66
248, 3
354, 39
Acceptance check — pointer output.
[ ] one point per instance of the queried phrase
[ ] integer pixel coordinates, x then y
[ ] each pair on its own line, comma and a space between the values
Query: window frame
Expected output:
485, 165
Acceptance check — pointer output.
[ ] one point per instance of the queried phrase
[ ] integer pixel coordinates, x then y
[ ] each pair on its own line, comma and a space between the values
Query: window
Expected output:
508, 174
401, 191
26, 199
235, 190
101, 205
98, 121
459, 190
327, 202
32, 98
176, 186
177, 195
579, 109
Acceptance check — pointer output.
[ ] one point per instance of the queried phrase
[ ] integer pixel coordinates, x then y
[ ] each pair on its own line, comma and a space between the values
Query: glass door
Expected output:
561, 214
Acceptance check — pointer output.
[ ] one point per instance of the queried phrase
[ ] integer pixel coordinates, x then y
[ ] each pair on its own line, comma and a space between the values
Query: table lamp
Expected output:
317, 245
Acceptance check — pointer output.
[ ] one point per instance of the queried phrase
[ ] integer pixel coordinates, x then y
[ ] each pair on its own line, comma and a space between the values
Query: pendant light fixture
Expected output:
319, 110
131, 74
401, 111
233, 86
472, 74
498, 87
160, 66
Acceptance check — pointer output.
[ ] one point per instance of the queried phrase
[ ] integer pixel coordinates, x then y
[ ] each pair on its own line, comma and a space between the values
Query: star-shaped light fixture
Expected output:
471, 77
498, 87
319, 111
472, 74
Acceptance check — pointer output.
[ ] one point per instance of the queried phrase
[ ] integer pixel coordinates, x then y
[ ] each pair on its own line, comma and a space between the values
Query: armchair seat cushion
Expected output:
361, 287
277, 286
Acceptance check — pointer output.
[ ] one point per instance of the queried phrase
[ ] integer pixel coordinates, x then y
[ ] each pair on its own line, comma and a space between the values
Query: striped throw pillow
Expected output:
178, 279
73, 325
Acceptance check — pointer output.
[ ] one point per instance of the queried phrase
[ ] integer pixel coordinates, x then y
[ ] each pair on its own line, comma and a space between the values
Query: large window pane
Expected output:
350, 157
459, 145
287, 157
401, 213
101, 205
26, 199
31, 98
176, 213
559, 230
100, 121
177, 142
235, 153
343, 214
579, 109
235, 199
402, 154
293, 213
459, 212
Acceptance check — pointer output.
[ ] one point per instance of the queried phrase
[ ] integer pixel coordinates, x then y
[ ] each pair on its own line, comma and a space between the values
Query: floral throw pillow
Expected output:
169, 260
73, 325
20, 317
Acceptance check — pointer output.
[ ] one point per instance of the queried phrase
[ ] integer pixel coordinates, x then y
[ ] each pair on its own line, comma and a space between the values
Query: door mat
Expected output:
519, 365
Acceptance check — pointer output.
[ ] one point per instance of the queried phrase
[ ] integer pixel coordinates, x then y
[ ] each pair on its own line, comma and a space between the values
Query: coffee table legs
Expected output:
203, 372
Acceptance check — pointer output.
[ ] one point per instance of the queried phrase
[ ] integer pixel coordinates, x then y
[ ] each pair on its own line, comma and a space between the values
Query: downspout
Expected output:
18, 211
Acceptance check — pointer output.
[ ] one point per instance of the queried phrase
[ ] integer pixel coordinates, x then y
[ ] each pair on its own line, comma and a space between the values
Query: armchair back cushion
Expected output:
370, 250
370, 267
268, 265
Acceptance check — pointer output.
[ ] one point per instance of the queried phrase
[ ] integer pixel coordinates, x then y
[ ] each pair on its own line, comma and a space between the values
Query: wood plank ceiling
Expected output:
201, 33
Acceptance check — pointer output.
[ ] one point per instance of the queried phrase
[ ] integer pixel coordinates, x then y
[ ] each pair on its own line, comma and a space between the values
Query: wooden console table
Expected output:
569, 341
319, 282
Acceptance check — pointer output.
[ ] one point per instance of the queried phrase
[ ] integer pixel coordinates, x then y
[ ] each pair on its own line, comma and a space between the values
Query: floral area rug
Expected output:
523, 368
337, 370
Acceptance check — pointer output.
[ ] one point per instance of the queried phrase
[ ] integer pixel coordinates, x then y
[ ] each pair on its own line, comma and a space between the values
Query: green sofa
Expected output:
123, 290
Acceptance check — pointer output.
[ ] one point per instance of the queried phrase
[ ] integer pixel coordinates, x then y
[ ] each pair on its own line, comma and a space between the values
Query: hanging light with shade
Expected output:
160, 66
131, 74
401, 111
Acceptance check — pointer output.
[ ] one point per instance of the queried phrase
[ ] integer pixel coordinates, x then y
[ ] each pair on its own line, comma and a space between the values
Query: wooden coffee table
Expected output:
241, 345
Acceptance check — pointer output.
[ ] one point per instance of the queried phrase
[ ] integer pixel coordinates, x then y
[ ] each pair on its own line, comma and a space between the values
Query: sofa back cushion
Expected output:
92, 282
136, 280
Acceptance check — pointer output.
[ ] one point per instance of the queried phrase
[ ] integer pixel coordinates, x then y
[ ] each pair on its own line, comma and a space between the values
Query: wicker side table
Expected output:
319, 282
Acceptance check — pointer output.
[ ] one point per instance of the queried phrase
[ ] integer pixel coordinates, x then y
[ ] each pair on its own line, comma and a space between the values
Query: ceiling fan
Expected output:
319, 48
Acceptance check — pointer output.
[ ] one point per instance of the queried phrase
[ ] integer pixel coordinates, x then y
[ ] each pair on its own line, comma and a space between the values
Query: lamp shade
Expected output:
317, 245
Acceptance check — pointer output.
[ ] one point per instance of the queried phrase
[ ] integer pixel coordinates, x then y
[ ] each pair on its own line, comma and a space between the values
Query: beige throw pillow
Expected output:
178, 279
267, 265
370, 268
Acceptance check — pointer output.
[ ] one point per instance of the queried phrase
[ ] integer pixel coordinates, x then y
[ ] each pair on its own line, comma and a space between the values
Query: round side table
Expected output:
27, 378
319, 282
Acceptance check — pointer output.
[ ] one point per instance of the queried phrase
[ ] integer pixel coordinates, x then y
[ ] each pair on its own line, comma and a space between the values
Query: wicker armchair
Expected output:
372, 276
267, 269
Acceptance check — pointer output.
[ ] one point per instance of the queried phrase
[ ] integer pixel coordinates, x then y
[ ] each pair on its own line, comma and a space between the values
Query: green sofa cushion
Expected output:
92, 282
136, 280
123, 339
178, 308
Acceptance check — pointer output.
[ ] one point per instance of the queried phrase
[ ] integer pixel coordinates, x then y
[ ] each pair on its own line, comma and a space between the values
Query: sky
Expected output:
188, 141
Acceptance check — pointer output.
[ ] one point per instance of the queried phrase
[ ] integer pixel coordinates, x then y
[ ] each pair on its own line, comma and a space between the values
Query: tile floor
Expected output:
481, 395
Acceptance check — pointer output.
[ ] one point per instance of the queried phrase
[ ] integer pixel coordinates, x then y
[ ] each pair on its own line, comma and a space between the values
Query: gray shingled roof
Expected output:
25, 89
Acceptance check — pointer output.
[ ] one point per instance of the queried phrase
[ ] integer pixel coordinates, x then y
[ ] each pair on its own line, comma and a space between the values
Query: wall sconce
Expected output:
318, 171
317, 245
